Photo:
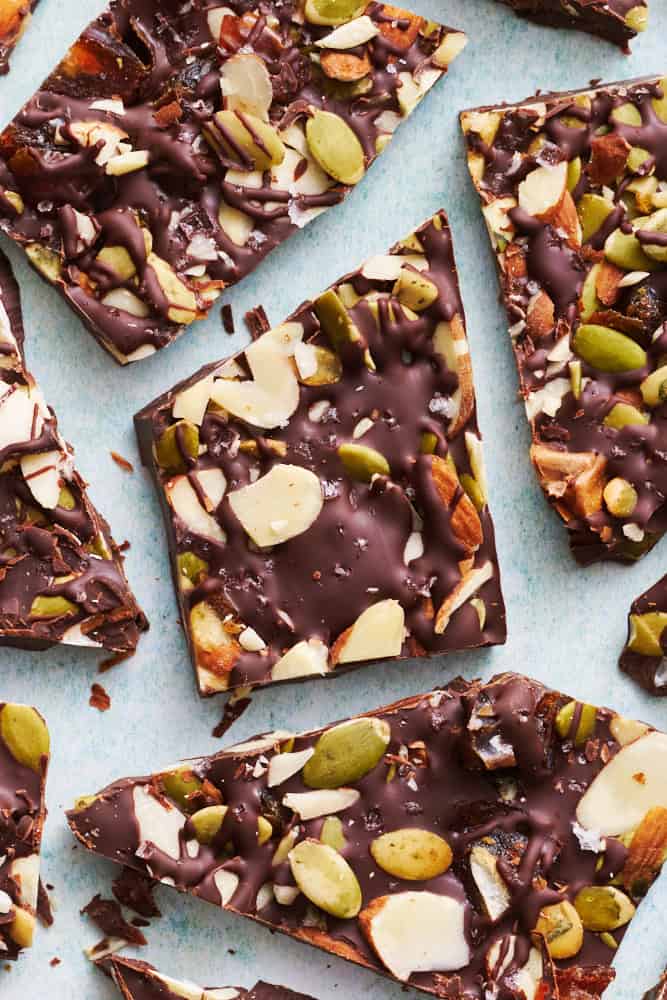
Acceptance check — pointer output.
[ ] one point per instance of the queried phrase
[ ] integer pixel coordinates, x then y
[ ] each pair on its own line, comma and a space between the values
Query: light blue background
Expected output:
566, 625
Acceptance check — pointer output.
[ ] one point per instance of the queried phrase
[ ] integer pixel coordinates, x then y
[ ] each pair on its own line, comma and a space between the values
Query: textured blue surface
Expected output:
566, 624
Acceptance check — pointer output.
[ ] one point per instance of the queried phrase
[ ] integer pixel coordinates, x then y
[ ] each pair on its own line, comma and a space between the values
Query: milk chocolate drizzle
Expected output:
65, 552
476, 763
317, 584
558, 266
161, 60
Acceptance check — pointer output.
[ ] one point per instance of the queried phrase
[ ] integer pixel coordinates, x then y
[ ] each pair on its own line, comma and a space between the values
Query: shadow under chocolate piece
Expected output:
139, 981
24, 760
574, 194
474, 841
177, 144
61, 572
618, 21
324, 490
14, 19
643, 657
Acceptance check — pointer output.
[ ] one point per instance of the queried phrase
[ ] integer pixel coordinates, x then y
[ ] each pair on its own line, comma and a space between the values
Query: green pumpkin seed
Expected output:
259, 139
627, 114
593, 211
329, 368
654, 223
573, 173
179, 784
636, 158
603, 908
181, 435
654, 388
335, 320
624, 415
191, 568
414, 290
264, 830
428, 443
325, 878
362, 463
620, 497
607, 349
346, 753
660, 103
335, 147
25, 735
332, 833
637, 18
412, 854
51, 607
585, 727
589, 296
333, 11
473, 489
625, 251
207, 822
66, 499
645, 633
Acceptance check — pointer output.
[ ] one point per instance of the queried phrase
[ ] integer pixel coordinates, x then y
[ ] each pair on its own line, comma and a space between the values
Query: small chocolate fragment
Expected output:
618, 21
574, 194
14, 19
107, 915
177, 144
481, 840
99, 698
227, 318
645, 652
61, 572
257, 322
324, 490
233, 710
659, 991
24, 760
135, 891
141, 981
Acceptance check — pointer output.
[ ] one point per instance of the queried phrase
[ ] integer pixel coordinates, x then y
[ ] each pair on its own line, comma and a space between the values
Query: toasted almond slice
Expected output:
306, 658
608, 282
462, 592
283, 766
246, 85
280, 505
465, 521
492, 888
540, 315
578, 476
321, 802
378, 632
41, 471
542, 192
416, 932
184, 501
191, 403
158, 822
345, 66
451, 342
351, 34
648, 850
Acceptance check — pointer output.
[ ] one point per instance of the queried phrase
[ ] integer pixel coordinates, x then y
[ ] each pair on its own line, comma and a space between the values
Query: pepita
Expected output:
325, 878
335, 147
345, 753
412, 854
607, 349
25, 735
362, 462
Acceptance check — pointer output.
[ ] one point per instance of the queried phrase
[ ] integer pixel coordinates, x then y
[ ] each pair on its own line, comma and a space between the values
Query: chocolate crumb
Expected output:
107, 915
233, 710
122, 462
44, 911
99, 698
227, 318
257, 322
54, 962
113, 661
135, 891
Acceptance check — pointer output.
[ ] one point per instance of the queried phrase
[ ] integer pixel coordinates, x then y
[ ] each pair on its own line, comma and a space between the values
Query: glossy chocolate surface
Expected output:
22, 814
586, 296
141, 981
406, 537
503, 767
140, 201
61, 572
643, 657
607, 18
14, 18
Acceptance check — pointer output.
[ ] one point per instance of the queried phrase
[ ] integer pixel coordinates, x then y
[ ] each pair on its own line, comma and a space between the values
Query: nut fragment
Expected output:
335, 147
325, 878
412, 854
378, 632
492, 888
278, 506
302, 660
25, 735
207, 822
362, 462
648, 849
607, 349
585, 716
322, 802
345, 753
646, 633
465, 521
561, 927
603, 908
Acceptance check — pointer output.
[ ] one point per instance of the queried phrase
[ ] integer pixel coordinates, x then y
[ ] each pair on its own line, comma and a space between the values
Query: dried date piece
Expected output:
61, 572
324, 490
176, 145
574, 194
482, 840
24, 759
140, 981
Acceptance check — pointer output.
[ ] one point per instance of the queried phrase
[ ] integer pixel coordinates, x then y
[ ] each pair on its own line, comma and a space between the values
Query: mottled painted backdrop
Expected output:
566, 625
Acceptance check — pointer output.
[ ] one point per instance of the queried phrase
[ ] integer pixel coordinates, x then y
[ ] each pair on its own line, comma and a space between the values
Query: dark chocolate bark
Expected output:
156, 167
574, 193
332, 510
428, 841
140, 981
14, 18
659, 991
643, 657
616, 20
61, 572
24, 758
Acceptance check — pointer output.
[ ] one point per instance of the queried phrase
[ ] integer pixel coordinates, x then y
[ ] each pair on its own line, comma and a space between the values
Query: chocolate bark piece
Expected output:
618, 21
61, 572
24, 759
141, 981
659, 991
177, 144
14, 18
574, 193
643, 657
428, 840
324, 490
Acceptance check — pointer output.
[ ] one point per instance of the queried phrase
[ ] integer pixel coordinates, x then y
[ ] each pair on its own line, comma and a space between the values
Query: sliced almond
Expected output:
306, 658
542, 192
184, 501
190, 404
41, 471
378, 632
451, 342
450, 47
20, 416
575, 476
351, 34
280, 505
540, 315
608, 282
182, 300
216, 650
322, 802
627, 787
465, 521
246, 85
491, 886
648, 850
158, 822
283, 766
416, 932
471, 582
